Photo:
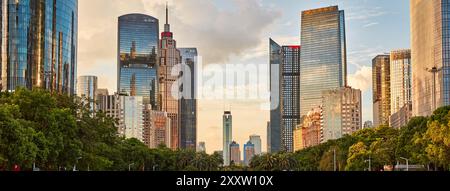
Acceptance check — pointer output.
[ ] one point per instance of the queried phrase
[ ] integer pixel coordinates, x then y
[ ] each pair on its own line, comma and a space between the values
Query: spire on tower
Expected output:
167, 32
167, 13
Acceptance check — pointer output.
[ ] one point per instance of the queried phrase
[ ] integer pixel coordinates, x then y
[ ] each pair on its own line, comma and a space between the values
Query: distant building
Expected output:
402, 117
101, 92
227, 136
112, 106
341, 113
256, 140
157, 128
201, 147
298, 138
308, 134
269, 137
134, 112
249, 152
87, 91
235, 153
381, 90
368, 125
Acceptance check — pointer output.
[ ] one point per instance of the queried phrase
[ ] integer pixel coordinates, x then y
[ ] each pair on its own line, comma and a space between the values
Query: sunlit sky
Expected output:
237, 32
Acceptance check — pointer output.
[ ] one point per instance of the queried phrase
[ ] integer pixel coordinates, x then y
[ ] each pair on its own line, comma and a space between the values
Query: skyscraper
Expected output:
323, 60
249, 152
285, 72
341, 113
401, 97
227, 136
133, 115
169, 57
275, 90
381, 90
235, 153
308, 134
112, 106
137, 57
87, 91
39, 45
430, 47
188, 105
256, 140
156, 128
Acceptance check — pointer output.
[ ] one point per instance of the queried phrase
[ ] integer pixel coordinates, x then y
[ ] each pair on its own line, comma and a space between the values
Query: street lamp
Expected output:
75, 165
129, 166
370, 163
407, 162
434, 71
154, 167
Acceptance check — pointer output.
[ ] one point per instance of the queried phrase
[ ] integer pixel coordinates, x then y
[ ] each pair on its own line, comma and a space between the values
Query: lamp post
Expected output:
129, 166
154, 167
75, 165
370, 163
407, 162
434, 71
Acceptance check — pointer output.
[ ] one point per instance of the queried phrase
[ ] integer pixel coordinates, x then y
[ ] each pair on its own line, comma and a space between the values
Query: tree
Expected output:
358, 154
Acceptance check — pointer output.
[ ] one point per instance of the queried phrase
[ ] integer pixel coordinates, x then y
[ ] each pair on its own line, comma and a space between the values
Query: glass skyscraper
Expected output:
38, 45
401, 75
323, 60
381, 76
430, 52
87, 91
227, 136
137, 57
188, 105
274, 126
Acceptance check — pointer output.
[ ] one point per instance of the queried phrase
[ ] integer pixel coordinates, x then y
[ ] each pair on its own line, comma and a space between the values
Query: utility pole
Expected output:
334, 160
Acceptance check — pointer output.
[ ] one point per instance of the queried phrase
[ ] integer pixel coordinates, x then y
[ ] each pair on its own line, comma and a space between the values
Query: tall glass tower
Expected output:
87, 90
137, 57
381, 90
227, 136
274, 126
430, 52
323, 60
188, 105
38, 45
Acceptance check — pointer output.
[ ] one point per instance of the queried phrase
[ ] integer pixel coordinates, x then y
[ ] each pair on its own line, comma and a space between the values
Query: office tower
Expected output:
188, 103
249, 152
430, 47
156, 128
201, 147
256, 140
276, 57
169, 57
39, 45
381, 76
269, 137
341, 113
290, 95
323, 60
87, 91
137, 57
285, 100
100, 93
401, 74
111, 105
235, 153
308, 133
133, 115
227, 136
368, 125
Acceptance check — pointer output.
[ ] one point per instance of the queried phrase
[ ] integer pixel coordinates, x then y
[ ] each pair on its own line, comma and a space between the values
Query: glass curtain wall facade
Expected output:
323, 62
430, 51
134, 113
274, 126
290, 95
87, 91
188, 105
381, 90
137, 57
39, 45
400, 79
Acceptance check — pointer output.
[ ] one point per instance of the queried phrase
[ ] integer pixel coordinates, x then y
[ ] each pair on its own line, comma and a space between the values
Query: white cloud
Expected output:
370, 24
364, 13
362, 79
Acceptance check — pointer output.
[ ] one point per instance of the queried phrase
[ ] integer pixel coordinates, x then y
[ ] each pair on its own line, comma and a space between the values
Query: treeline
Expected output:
424, 141
56, 132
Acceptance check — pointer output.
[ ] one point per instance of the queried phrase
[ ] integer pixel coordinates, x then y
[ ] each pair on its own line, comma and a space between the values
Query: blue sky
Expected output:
237, 32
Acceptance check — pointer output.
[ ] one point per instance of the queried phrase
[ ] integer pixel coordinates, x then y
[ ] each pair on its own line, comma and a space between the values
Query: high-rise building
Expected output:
87, 91
100, 93
256, 140
430, 47
401, 97
227, 136
298, 138
156, 128
188, 103
137, 57
133, 115
268, 138
285, 72
308, 134
201, 147
235, 153
381, 76
249, 152
276, 59
323, 60
169, 92
368, 125
341, 113
39, 45
111, 105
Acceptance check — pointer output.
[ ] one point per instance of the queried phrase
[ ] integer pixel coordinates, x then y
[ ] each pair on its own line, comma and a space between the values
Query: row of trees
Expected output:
56, 132
423, 141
